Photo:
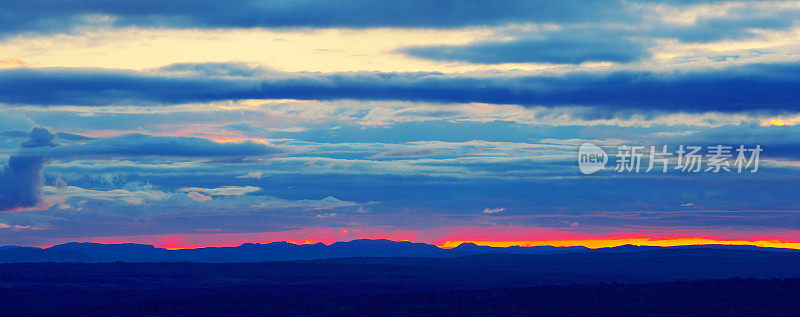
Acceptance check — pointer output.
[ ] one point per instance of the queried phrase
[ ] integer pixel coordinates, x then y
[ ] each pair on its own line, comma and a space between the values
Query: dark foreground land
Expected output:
658, 283
730, 297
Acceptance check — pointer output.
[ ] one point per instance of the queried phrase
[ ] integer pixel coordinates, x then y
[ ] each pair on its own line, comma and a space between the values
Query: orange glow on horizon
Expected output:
174, 243
612, 242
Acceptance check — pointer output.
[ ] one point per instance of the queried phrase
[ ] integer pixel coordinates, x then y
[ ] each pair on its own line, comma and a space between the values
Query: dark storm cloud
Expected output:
21, 178
21, 182
772, 87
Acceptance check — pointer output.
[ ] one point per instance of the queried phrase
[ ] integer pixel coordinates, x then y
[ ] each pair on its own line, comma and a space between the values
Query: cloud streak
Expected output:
736, 19
54, 16
559, 49
769, 87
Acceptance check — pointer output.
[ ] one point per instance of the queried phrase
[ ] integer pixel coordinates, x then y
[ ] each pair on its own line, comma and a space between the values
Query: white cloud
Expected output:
222, 191
129, 196
251, 175
198, 196
329, 202
491, 211
289, 129
18, 227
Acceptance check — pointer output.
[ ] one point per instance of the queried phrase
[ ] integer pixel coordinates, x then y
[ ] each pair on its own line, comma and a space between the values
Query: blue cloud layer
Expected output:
148, 145
574, 43
739, 88
57, 16
561, 49
54, 16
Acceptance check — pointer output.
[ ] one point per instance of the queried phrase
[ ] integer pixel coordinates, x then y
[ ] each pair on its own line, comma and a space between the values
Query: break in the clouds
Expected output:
133, 120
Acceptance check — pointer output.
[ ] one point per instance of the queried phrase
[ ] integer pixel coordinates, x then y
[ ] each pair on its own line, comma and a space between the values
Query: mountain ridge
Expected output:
285, 251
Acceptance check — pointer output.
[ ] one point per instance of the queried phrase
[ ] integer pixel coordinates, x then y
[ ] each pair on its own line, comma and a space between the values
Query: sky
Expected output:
218, 123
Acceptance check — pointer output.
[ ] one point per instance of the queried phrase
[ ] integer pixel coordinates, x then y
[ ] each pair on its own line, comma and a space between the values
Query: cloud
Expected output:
732, 89
198, 196
133, 194
599, 41
149, 145
21, 180
491, 211
16, 122
329, 202
42, 135
223, 191
39, 137
251, 175
16, 134
289, 129
24, 168
730, 21
48, 16
21, 177
213, 69
618, 30
569, 48
241, 126
160, 202
19, 227
736, 19
11, 62
72, 136
407, 153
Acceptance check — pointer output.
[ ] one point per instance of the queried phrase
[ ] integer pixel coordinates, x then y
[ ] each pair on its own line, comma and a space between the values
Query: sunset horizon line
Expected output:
593, 244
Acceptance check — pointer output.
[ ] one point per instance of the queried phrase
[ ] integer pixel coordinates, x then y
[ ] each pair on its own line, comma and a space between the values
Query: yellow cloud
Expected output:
11, 62
781, 121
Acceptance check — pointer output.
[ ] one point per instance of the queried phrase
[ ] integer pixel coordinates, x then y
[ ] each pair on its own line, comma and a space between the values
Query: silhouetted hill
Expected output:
20, 254
283, 251
126, 252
